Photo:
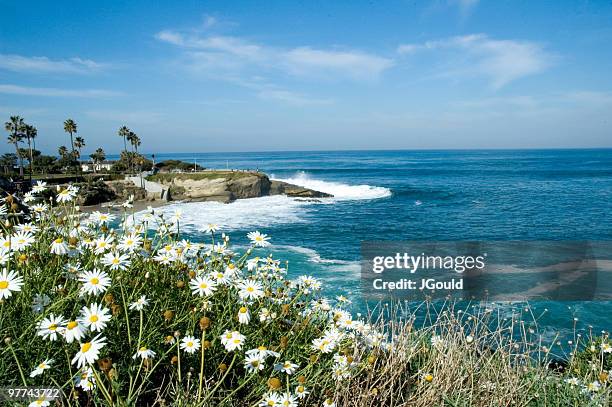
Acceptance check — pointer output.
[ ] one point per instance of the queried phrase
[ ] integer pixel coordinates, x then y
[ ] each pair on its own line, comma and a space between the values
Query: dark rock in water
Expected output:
558, 365
284, 188
124, 189
227, 186
95, 193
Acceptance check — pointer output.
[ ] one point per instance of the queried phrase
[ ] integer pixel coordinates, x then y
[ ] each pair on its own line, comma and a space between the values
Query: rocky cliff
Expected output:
227, 186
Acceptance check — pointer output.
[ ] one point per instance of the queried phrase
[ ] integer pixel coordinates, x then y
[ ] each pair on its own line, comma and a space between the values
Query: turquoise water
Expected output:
418, 195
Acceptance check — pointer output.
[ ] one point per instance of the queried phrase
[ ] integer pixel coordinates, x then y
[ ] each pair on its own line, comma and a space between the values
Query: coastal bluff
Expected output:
227, 186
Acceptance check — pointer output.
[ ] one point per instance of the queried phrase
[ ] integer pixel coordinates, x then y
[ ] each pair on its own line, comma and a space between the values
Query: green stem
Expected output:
222, 379
127, 317
25, 383
201, 365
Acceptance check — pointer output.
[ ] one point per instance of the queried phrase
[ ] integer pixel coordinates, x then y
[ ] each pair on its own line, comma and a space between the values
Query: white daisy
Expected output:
21, 240
94, 282
144, 353
95, 317
254, 363
74, 330
202, 286
51, 327
232, 340
42, 366
39, 187
10, 282
250, 290
301, 391
89, 351
190, 344
59, 247
116, 261
244, 316
270, 400
130, 242
140, 303
259, 239
287, 367
85, 379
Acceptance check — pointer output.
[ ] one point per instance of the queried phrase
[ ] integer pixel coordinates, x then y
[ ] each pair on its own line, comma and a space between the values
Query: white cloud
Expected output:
502, 61
213, 51
358, 65
20, 63
291, 98
55, 92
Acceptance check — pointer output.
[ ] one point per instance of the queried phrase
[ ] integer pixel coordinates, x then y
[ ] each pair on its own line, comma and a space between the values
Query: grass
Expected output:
205, 175
198, 292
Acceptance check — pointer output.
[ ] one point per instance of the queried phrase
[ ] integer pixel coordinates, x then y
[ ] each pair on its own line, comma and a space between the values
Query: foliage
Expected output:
168, 321
177, 165
127, 159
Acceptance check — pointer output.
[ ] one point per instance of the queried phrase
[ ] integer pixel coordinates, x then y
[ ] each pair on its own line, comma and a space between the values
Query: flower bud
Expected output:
204, 323
274, 383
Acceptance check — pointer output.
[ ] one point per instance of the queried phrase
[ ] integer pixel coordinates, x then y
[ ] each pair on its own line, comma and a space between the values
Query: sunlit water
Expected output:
417, 195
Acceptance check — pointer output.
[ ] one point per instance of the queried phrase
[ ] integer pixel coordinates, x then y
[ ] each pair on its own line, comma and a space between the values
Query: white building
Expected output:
97, 167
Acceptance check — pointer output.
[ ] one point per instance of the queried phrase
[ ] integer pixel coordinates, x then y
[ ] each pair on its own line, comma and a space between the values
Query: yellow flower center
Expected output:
189, 344
52, 327
115, 261
7, 244
243, 310
59, 240
42, 366
236, 341
86, 346
95, 281
203, 285
129, 242
262, 348
71, 325
300, 389
3, 285
250, 289
143, 349
93, 318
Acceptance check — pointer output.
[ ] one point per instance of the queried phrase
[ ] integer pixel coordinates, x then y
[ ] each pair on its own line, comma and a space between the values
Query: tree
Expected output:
97, 157
15, 127
30, 134
70, 127
124, 132
8, 162
79, 143
62, 151
134, 142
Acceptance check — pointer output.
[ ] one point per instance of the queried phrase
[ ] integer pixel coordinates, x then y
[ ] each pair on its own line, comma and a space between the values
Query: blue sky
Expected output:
257, 76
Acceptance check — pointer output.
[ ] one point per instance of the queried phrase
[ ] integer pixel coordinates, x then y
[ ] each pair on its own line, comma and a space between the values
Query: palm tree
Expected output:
71, 127
15, 127
30, 134
79, 143
134, 142
124, 132
97, 157
62, 151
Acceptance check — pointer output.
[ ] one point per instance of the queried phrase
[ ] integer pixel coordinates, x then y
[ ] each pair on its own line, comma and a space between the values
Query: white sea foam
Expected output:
339, 190
269, 210
242, 214
313, 255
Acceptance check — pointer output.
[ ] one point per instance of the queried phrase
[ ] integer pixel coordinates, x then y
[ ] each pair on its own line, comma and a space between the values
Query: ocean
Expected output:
478, 195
